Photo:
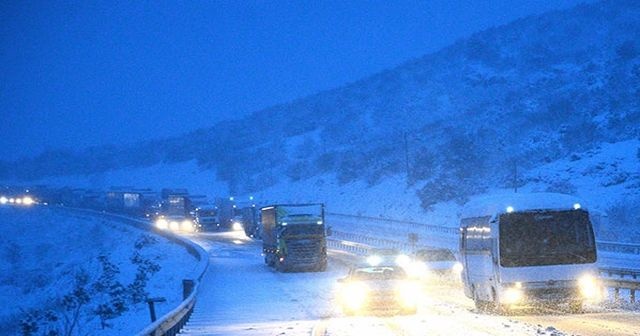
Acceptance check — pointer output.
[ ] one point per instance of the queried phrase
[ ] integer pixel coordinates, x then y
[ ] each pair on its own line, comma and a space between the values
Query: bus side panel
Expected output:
479, 267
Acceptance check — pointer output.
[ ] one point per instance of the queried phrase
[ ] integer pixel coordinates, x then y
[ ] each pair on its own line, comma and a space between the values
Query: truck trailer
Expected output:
294, 237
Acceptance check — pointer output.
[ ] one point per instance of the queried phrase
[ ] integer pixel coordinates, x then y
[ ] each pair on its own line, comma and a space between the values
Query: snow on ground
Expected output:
43, 248
242, 296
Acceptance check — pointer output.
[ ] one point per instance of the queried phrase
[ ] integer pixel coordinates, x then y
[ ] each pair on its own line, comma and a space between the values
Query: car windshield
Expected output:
546, 238
378, 273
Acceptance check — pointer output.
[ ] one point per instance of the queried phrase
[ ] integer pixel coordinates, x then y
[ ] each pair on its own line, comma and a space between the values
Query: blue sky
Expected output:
76, 74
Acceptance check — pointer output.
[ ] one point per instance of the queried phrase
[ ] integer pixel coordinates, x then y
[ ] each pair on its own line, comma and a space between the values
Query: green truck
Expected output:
294, 237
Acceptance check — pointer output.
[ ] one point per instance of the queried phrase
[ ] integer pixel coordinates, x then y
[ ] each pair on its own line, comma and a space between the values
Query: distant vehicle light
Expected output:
27, 200
162, 224
374, 260
237, 226
4, 200
319, 222
18, 200
187, 226
174, 226
12, 200
577, 206
403, 260
510, 209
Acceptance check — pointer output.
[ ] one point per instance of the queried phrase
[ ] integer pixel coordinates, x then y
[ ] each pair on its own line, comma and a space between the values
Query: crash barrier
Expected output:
621, 279
348, 246
618, 247
450, 234
171, 323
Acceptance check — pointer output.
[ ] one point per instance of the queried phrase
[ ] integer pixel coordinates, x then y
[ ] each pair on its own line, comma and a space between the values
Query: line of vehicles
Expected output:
515, 250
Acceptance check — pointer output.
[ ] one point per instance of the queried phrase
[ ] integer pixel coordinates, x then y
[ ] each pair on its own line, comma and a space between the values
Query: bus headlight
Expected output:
589, 287
457, 268
512, 295
162, 224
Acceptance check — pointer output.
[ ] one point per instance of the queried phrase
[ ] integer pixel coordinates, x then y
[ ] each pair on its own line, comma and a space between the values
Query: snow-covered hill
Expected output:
548, 102
52, 258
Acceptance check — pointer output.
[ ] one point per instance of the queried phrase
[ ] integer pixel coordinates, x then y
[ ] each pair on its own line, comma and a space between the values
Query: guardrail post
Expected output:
152, 308
616, 294
187, 288
632, 295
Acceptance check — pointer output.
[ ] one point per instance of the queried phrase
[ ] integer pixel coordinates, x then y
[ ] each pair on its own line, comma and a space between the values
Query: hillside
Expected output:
456, 122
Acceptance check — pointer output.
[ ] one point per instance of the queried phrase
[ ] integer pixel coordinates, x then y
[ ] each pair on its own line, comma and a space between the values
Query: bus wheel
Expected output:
481, 306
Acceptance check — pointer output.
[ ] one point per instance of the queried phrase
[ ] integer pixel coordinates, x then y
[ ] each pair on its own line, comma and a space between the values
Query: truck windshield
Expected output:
539, 238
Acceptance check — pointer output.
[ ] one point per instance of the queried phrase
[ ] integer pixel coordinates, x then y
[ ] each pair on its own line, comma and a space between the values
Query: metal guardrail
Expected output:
172, 322
619, 279
453, 232
618, 247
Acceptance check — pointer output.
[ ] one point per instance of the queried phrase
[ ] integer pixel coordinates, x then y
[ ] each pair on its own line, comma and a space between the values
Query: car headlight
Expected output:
403, 260
174, 226
589, 287
374, 260
162, 224
408, 292
187, 226
512, 295
354, 294
417, 270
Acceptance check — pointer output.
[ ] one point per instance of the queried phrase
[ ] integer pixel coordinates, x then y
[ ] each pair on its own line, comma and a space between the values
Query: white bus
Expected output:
519, 249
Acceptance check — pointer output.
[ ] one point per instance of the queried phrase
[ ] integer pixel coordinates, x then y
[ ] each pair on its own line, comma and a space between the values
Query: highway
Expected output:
241, 296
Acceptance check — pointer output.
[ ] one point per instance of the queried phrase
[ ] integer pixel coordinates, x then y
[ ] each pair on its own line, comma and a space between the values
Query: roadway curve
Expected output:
255, 300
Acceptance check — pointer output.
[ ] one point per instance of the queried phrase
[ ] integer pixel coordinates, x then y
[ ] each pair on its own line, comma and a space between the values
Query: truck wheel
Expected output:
322, 267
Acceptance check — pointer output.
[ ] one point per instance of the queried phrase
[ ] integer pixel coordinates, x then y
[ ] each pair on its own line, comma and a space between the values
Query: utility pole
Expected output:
515, 176
406, 154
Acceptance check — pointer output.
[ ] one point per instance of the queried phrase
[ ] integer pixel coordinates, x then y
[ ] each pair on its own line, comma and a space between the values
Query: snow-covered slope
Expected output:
45, 251
530, 92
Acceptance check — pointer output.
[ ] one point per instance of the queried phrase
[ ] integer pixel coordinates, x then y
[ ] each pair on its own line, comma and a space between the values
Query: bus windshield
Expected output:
539, 238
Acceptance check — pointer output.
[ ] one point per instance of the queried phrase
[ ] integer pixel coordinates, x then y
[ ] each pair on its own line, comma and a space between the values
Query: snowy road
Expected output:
241, 296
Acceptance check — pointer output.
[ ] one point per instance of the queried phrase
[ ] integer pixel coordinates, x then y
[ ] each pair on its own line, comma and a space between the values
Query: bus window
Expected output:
546, 238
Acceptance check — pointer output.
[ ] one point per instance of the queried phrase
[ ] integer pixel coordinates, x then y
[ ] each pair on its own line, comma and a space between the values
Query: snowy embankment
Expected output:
607, 178
58, 262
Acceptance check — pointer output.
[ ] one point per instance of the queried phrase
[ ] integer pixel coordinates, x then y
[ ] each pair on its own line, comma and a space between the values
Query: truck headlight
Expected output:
162, 224
589, 287
236, 226
512, 295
